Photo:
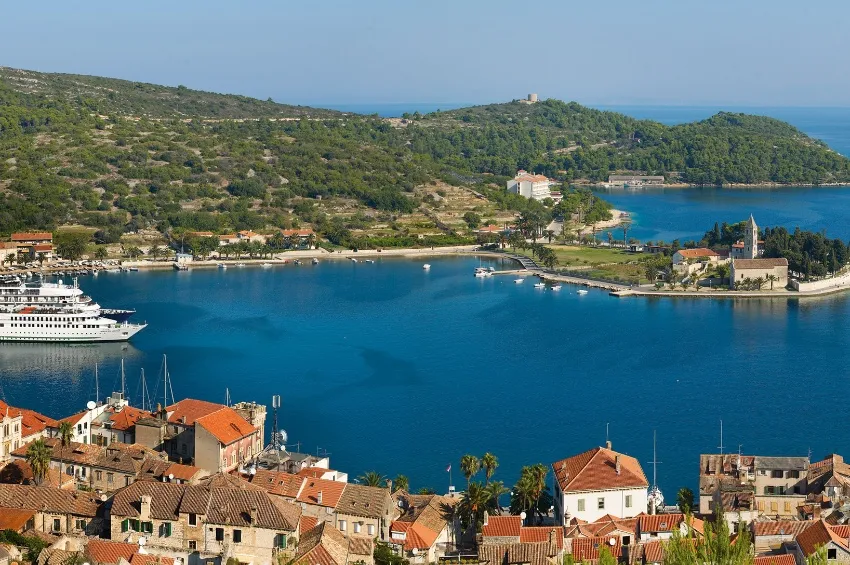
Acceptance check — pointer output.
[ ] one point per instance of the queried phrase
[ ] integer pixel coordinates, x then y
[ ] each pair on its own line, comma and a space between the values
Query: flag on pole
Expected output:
449, 468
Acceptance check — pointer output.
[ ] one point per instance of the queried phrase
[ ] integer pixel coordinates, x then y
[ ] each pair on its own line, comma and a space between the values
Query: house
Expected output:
121, 425
501, 529
33, 238
660, 526
319, 498
775, 559
763, 269
325, 545
303, 239
424, 528
821, 534
212, 436
773, 535
541, 553
18, 427
8, 252
780, 485
598, 482
323, 473
19, 472
689, 260
364, 510
722, 472
830, 477
530, 186
53, 511
588, 549
248, 235
221, 515
228, 239
607, 526
278, 483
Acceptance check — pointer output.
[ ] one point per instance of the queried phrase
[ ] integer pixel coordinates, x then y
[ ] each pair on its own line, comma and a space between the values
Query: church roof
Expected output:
740, 264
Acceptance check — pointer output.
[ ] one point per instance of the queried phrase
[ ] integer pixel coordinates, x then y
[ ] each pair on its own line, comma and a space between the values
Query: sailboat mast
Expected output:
123, 382
144, 389
96, 386
164, 381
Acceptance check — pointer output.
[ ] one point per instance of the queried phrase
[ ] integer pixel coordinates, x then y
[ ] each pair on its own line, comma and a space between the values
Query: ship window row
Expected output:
86, 326
50, 319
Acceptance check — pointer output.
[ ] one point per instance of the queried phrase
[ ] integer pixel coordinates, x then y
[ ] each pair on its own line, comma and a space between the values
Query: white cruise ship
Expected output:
39, 311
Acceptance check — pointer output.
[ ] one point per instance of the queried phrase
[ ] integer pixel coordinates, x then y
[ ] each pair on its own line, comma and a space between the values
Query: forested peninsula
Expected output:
120, 157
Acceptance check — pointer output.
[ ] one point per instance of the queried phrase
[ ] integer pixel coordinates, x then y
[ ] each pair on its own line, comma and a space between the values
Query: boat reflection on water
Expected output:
22, 360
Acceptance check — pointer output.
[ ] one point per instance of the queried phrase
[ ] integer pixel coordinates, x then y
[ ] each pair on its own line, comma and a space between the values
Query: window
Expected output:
776, 474
774, 506
280, 540
370, 529
787, 506
193, 545
98, 475
81, 525
147, 528
127, 481
793, 474
109, 477
831, 553
627, 540
628, 501
356, 527
600, 503
219, 534
165, 530
581, 505
342, 525
193, 519
125, 525
57, 525
237, 536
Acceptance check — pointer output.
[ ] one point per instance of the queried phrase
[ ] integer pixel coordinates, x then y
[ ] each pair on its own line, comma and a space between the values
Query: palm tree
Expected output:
311, 240
470, 465
372, 479
402, 483
42, 257
549, 235
759, 283
155, 251
489, 462
474, 502
38, 457
495, 490
66, 431
772, 279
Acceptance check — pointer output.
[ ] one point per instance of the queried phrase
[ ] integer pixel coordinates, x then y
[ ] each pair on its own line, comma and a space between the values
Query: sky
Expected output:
325, 52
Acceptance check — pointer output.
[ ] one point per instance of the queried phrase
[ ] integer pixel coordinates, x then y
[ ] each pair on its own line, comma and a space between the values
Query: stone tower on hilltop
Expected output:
751, 239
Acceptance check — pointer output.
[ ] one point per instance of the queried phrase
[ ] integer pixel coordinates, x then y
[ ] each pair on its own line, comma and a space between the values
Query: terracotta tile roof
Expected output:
307, 524
43, 247
182, 472
360, 500
49, 499
816, 535
595, 470
74, 418
517, 553
77, 453
127, 418
331, 492
528, 177
102, 552
314, 472
323, 545
423, 518
15, 518
760, 263
783, 559
302, 233
19, 472
502, 527
360, 546
697, 253
165, 500
54, 556
191, 409
780, 528
232, 507
605, 526
148, 559
587, 549
34, 423
247, 233
278, 482
653, 551
32, 236
841, 530
660, 522
226, 425
528, 534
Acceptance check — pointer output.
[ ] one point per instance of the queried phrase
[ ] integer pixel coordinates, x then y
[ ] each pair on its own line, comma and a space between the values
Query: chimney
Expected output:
552, 536
319, 497
390, 484
145, 508
253, 515
486, 517
608, 444
617, 464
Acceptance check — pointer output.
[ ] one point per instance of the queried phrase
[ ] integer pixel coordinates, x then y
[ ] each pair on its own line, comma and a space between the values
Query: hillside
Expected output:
573, 142
117, 156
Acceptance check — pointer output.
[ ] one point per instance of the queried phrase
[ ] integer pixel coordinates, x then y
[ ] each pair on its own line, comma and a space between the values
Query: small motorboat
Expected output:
556, 287
315, 261
240, 264
491, 269
582, 292
540, 285
297, 262
266, 265
482, 272
519, 281
353, 260
222, 266
426, 266
134, 269
369, 261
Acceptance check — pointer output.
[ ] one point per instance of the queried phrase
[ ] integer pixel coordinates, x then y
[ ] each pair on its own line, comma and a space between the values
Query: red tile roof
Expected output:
182, 472
277, 482
307, 524
541, 533
74, 418
596, 470
331, 492
653, 552
314, 472
127, 418
587, 549
226, 425
698, 252
148, 559
191, 409
302, 233
502, 526
660, 522
15, 518
34, 423
103, 551
780, 528
32, 236
43, 247
818, 534
784, 559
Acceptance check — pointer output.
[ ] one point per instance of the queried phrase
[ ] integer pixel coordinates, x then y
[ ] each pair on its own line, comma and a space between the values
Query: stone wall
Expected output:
841, 281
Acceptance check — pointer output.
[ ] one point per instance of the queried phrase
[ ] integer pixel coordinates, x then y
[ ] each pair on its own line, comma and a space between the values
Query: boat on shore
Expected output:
177, 266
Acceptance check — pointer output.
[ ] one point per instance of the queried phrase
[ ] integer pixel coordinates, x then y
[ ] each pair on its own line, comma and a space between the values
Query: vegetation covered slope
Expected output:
570, 141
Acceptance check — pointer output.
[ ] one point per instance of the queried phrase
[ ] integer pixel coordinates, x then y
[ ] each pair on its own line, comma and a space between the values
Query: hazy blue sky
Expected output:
743, 52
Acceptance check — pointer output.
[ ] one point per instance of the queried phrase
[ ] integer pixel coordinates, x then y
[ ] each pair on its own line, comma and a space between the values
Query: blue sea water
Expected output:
392, 368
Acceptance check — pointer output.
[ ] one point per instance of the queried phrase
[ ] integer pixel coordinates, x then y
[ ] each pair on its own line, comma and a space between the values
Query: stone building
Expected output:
52, 510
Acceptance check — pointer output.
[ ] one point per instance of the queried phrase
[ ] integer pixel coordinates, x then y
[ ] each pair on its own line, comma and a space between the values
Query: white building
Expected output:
530, 186
598, 482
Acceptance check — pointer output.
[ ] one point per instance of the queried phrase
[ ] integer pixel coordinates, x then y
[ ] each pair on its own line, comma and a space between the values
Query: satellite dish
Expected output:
142, 540
170, 476
91, 405
103, 498
612, 542
283, 436
252, 471
522, 515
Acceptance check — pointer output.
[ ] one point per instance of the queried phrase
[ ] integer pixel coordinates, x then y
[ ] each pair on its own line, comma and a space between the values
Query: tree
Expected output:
819, 557
71, 244
66, 432
473, 504
100, 253
685, 500
155, 251
530, 494
516, 239
605, 556
384, 555
772, 279
472, 220
470, 466
495, 491
38, 457
42, 257
550, 234
715, 548
489, 463
402, 482
133, 252
372, 479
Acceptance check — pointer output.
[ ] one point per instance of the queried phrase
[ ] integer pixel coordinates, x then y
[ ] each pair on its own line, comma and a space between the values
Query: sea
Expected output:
392, 368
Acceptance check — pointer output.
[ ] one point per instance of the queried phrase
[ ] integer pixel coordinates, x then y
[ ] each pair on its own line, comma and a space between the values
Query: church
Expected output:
748, 264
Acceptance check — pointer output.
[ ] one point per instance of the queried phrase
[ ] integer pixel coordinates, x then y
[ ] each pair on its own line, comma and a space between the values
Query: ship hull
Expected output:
118, 333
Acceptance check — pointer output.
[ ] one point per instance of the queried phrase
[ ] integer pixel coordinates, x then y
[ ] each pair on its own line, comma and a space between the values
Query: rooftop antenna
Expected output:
720, 447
